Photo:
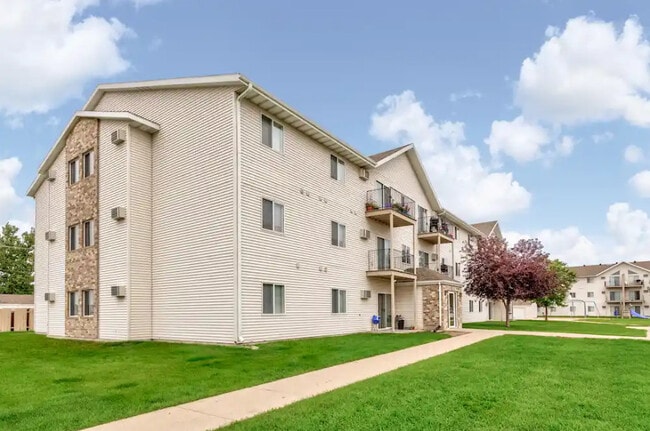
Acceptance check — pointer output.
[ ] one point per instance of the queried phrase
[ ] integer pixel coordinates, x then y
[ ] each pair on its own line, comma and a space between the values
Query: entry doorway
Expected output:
384, 311
451, 298
383, 253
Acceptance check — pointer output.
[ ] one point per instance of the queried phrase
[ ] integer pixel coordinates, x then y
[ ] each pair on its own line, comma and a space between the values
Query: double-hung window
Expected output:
471, 306
457, 269
572, 294
406, 254
88, 163
590, 294
272, 298
339, 303
480, 306
73, 237
73, 304
89, 233
73, 171
272, 134
88, 302
272, 215
337, 168
338, 234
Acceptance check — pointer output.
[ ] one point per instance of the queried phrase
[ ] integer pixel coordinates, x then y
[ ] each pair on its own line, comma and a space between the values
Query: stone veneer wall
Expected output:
431, 312
82, 265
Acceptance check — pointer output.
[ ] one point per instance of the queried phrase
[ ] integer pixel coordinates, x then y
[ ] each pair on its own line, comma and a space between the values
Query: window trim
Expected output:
284, 299
338, 301
74, 162
91, 153
74, 303
471, 305
340, 168
84, 292
90, 223
274, 124
274, 203
406, 254
77, 243
338, 234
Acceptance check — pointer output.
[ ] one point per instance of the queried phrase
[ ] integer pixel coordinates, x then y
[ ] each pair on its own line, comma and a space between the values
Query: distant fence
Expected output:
16, 320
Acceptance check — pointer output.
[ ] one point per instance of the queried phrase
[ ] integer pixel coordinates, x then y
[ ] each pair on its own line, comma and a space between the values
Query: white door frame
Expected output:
452, 310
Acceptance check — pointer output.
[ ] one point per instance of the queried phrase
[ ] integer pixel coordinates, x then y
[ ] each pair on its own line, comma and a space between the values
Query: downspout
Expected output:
440, 304
237, 206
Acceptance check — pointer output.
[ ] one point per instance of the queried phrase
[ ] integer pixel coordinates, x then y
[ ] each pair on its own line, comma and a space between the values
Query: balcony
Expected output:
384, 203
635, 281
613, 283
387, 263
436, 230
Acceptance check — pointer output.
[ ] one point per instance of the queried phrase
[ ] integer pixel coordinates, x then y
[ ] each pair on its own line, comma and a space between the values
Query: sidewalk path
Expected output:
215, 412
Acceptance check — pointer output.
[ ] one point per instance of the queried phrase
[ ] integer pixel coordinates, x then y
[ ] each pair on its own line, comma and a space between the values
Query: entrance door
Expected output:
383, 253
452, 309
384, 312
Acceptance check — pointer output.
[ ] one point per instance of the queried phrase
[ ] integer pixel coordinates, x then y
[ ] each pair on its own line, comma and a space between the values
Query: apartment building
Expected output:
207, 210
608, 290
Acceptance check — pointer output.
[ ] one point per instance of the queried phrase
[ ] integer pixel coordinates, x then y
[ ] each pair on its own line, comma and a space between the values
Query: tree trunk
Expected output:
546, 313
506, 303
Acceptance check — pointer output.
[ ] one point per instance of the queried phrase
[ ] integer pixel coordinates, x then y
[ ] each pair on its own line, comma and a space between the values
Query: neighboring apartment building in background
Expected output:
204, 209
607, 290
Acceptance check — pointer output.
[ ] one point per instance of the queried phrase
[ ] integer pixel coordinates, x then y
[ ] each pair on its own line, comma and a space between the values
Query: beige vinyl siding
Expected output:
41, 251
56, 249
193, 209
139, 219
299, 178
112, 234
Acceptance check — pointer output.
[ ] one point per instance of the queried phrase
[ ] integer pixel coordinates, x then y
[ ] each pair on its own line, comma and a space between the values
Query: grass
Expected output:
617, 321
560, 326
505, 383
68, 385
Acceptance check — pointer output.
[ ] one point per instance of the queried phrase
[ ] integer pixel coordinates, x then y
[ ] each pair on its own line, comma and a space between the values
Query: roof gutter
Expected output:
237, 213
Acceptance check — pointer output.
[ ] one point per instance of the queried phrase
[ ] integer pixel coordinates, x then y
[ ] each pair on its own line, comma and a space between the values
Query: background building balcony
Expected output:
436, 229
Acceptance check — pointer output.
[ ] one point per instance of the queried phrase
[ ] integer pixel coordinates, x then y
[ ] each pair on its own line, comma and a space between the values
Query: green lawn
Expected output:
560, 326
50, 384
617, 321
505, 383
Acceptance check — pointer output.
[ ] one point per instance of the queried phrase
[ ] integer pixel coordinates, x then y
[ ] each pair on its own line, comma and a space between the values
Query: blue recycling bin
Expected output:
376, 319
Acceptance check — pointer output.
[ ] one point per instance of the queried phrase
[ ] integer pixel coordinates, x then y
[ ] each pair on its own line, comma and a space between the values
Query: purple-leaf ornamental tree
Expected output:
498, 273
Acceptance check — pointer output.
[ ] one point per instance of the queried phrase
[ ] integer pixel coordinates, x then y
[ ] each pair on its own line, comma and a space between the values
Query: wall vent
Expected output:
118, 213
49, 297
366, 294
364, 174
50, 235
364, 234
51, 175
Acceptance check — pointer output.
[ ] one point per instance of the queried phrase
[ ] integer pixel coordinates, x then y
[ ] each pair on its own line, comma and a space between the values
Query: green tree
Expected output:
16, 261
562, 281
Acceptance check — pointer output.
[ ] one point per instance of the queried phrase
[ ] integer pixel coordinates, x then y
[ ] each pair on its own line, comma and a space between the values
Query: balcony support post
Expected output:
392, 246
392, 302
416, 255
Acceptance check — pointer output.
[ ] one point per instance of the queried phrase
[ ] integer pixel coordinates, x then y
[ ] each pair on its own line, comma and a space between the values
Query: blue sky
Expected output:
549, 148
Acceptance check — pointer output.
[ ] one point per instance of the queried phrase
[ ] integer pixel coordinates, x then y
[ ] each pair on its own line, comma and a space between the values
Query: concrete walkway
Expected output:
563, 334
215, 412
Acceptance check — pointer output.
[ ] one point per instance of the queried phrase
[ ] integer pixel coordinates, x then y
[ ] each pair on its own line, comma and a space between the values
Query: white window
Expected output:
338, 234
73, 171
73, 303
572, 309
553, 309
272, 134
272, 215
471, 306
339, 304
73, 237
572, 294
406, 254
337, 168
89, 233
457, 269
591, 308
89, 163
590, 294
272, 298
424, 259
590, 280
480, 306
88, 300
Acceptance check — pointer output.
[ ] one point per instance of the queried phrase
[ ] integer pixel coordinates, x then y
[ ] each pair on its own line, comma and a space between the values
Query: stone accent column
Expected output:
82, 202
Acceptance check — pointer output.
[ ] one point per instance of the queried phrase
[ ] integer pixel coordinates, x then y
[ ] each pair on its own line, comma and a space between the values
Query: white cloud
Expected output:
12, 206
50, 49
633, 154
467, 94
53, 121
568, 244
519, 139
588, 72
564, 146
628, 233
640, 182
602, 137
462, 182
141, 3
